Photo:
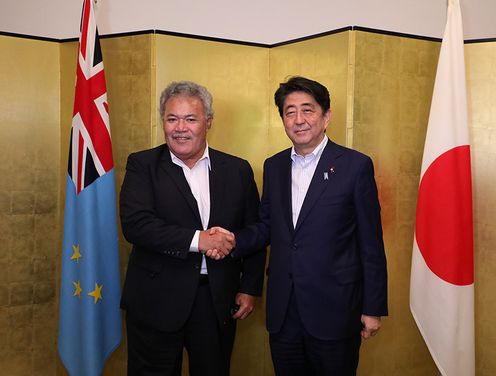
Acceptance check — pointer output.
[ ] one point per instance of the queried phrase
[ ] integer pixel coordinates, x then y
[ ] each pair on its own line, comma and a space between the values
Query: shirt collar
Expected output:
317, 152
205, 156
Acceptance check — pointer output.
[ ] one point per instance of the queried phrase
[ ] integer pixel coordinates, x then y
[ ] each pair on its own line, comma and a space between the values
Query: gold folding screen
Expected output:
380, 86
29, 209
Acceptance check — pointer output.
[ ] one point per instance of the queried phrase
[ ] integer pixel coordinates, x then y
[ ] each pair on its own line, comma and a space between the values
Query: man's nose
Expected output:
181, 125
300, 119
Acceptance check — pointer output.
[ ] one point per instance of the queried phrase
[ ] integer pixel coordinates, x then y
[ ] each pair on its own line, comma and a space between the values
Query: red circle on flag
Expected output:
444, 230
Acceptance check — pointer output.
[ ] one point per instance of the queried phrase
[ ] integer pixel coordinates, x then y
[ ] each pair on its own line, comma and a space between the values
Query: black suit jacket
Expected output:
334, 257
159, 216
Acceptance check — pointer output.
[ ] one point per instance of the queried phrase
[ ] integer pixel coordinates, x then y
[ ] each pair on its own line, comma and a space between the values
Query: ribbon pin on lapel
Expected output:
326, 174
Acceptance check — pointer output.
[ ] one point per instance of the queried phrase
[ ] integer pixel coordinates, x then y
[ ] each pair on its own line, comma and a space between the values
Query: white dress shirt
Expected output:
199, 182
302, 170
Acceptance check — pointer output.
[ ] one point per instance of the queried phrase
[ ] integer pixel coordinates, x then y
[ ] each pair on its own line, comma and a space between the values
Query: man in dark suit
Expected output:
327, 278
173, 295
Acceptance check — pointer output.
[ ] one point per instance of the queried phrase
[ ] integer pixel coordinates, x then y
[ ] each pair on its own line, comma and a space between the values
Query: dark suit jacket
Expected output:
334, 258
159, 216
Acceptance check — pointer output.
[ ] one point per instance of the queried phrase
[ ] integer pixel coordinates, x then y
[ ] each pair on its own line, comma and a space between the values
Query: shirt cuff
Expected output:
194, 242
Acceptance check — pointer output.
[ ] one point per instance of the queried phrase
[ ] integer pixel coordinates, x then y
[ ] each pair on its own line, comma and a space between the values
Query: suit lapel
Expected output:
217, 178
319, 181
177, 176
285, 184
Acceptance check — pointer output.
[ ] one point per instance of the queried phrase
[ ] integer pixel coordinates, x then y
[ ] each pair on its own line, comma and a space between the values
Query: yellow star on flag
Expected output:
76, 255
77, 288
96, 293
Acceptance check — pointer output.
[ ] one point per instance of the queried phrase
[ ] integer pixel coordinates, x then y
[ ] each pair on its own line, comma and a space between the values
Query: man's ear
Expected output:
327, 117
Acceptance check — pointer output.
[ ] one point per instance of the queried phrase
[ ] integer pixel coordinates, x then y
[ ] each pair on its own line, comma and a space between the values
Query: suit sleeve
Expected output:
371, 243
140, 224
253, 265
256, 235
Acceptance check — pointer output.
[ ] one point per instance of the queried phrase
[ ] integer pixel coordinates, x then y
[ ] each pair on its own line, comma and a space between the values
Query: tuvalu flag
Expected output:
442, 278
90, 321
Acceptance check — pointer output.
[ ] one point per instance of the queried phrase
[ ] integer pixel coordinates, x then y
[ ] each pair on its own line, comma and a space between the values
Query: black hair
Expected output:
297, 83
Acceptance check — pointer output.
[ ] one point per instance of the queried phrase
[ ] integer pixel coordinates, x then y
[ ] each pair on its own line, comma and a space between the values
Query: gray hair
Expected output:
190, 89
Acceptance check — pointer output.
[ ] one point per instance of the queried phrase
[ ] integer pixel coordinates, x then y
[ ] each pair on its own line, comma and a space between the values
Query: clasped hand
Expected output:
216, 242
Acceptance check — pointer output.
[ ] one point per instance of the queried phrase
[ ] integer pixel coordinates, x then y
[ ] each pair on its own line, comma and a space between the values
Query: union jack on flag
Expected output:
91, 150
90, 320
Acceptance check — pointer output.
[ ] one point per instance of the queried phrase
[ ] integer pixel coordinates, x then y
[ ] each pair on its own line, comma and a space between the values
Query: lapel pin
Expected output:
326, 176
332, 170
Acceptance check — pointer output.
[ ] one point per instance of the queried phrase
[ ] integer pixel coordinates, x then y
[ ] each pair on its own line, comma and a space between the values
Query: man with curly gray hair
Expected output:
174, 296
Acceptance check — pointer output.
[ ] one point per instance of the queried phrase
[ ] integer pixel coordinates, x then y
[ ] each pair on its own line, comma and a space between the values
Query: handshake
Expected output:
216, 242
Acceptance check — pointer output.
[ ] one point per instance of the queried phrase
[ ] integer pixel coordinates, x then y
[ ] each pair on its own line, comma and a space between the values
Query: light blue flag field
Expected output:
90, 319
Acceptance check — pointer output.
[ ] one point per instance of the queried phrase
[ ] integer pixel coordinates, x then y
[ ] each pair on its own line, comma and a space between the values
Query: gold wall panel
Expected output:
29, 232
236, 75
480, 61
68, 60
394, 79
129, 69
325, 60
381, 88
322, 59
128, 72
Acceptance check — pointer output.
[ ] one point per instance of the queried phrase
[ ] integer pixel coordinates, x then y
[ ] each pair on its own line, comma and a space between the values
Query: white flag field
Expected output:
442, 275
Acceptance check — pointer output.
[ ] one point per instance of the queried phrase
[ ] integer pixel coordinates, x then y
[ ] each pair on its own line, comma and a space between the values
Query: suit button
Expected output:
197, 266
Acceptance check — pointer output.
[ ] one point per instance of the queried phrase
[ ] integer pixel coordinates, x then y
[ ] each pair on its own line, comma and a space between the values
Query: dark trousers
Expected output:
152, 352
296, 353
